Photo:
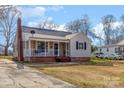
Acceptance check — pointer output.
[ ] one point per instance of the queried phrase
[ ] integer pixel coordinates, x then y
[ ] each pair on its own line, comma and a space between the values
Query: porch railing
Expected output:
43, 52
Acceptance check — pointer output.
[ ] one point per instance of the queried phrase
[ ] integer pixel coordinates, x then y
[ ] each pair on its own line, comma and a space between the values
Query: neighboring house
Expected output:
113, 48
117, 39
45, 45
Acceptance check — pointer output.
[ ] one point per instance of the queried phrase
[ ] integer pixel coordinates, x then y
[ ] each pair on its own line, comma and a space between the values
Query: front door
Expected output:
56, 49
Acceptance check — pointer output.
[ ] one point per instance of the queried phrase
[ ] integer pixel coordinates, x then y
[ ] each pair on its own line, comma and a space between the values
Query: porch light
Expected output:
32, 32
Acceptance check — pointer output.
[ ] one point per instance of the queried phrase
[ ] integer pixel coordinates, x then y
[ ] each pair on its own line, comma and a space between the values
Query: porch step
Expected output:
63, 59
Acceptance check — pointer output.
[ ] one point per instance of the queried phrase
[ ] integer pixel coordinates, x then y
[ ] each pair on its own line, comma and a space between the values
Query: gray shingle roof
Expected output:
45, 31
121, 42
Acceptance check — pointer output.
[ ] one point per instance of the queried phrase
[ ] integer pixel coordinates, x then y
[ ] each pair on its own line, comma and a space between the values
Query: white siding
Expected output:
15, 54
80, 52
111, 50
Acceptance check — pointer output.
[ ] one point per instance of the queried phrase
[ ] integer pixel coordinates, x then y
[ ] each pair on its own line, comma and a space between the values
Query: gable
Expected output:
80, 36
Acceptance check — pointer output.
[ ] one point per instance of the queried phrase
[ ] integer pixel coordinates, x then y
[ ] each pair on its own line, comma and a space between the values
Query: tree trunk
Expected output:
6, 51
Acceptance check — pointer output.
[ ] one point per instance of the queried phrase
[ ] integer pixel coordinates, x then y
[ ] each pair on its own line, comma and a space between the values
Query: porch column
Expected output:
29, 44
45, 47
66, 49
35, 45
53, 49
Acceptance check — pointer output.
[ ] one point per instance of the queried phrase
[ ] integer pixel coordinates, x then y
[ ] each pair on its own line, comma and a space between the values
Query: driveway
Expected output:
11, 76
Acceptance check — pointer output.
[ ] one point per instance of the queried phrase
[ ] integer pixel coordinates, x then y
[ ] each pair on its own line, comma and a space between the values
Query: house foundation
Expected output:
51, 59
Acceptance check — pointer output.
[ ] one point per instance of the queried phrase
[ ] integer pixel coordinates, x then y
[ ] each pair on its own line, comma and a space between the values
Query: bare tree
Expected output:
8, 16
118, 33
82, 25
74, 26
122, 24
107, 22
48, 24
85, 24
79, 25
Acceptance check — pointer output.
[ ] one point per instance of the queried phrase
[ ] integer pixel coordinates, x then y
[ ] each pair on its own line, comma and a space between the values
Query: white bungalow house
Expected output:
113, 48
45, 45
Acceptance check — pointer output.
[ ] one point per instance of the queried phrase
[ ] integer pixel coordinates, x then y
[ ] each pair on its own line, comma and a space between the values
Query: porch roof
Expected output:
49, 39
121, 43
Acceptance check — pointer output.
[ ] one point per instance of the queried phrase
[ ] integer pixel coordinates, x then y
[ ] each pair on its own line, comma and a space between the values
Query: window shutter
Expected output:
76, 44
85, 45
82, 46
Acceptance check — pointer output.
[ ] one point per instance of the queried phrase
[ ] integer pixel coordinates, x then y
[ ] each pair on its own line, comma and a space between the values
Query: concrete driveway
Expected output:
11, 76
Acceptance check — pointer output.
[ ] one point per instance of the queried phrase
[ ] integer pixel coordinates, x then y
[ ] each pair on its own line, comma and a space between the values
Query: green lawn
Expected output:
101, 60
88, 75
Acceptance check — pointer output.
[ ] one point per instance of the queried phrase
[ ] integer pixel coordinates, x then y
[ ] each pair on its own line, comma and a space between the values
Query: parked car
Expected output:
105, 56
116, 56
99, 55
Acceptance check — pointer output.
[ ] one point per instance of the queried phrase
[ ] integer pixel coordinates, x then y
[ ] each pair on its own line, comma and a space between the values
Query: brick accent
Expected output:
19, 38
80, 59
63, 59
42, 59
50, 59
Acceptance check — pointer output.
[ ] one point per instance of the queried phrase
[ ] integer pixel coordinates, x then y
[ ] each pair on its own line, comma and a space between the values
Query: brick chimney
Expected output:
19, 38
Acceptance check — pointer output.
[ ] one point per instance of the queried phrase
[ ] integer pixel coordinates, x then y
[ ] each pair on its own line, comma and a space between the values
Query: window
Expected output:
80, 45
41, 46
116, 50
85, 46
100, 49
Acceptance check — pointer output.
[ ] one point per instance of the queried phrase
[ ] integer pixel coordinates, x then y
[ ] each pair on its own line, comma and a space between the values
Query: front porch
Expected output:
45, 48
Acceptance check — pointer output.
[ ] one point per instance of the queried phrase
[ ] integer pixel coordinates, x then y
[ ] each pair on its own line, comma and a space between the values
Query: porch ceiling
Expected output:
48, 39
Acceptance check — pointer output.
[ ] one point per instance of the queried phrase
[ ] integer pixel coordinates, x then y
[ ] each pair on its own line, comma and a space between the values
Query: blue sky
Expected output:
64, 14
33, 15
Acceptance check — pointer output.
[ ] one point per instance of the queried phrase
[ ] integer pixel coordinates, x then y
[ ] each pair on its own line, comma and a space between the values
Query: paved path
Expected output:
11, 76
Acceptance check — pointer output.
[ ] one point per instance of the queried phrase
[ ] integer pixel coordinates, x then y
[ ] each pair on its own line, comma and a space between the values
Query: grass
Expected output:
100, 60
88, 75
6, 57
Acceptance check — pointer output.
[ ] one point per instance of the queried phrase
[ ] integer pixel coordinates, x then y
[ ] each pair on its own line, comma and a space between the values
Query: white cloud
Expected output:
62, 27
49, 18
39, 11
32, 24
56, 8
32, 11
99, 30
116, 24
